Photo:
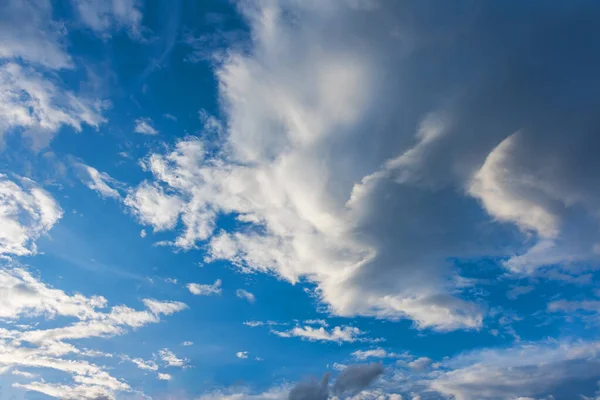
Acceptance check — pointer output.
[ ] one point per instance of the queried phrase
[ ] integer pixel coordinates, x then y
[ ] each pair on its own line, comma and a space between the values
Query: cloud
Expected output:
311, 390
420, 364
517, 291
356, 378
153, 207
204, 289
170, 359
28, 33
245, 295
164, 377
350, 382
187, 343
144, 364
164, 307
26, 213
23, 373
37, 106
103, 17
144, 126
253, 324
276, 393
556, 368
361, 154
100, 182
25, 296
376, 353
338, 334
242, 354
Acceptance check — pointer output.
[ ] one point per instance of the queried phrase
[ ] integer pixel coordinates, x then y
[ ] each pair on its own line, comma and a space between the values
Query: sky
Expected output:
299, 199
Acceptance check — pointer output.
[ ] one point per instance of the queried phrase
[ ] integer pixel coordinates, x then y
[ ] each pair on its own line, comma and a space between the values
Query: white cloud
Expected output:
277, 393
205, 289
144, 126
145, 364
493, 185
421, 363
242, 354
27, 32
253, 324
517, 291
104, 16
39, 107
100, 182
24, 374
164, 377
537, 370
338, 334
246, 295
170, 359
33, 347
164, 307
143, 233
154, 207
26, 212
187, 343
376, 353
571, 306
362, 159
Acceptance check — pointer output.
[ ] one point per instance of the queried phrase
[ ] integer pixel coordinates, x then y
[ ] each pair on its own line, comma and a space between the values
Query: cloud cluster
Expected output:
34, 102
25, 296
199, 289
339, 334
104, 17
561, 369
26, 212
364, 147
350, 382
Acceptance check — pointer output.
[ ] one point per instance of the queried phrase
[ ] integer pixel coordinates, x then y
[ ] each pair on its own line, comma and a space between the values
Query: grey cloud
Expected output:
351, 381
356, 378
311, 390
371, 146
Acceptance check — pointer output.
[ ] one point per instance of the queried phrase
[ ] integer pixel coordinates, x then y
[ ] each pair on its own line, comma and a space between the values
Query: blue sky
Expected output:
303, 200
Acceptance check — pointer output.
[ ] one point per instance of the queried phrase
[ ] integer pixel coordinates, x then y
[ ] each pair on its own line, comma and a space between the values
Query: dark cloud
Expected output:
351, 381
356, 378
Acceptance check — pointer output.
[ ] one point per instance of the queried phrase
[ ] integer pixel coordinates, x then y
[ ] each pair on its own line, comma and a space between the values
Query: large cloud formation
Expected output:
366, 143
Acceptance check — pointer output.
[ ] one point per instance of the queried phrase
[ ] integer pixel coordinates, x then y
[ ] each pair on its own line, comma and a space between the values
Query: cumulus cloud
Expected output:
25, 296
536, 370
34, 102
26, 212
39, 107
101, 182
338, 334
517, 291
152, 206
376, 353
144, 364
103, 17
164, 307
205, 289
364, 147
170, 359
144, 126
245, 295
355, 378
27, 32
164, 377
421, 363
350, 382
